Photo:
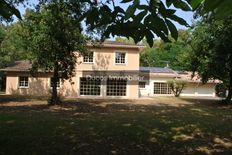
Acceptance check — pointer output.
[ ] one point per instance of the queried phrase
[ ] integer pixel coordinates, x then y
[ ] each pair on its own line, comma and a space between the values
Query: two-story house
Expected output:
110, 58
109, 70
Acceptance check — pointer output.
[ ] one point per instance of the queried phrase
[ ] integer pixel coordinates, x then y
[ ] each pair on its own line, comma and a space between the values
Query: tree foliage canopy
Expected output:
54, 35
175, 54
13, 46
177, 86
212, 45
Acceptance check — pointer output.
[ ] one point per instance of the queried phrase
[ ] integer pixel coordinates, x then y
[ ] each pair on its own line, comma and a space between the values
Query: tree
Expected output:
177, 86
218, 8
139, 20
8, 9
212, 58
176, 53
124, 40
55, 34
13, 45
149, 19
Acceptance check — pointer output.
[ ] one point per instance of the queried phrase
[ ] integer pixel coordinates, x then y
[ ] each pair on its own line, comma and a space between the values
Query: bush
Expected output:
177, 86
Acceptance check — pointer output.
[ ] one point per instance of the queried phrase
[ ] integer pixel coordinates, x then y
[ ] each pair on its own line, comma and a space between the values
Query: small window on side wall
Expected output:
88, 57
23, 82
57, 84
120, 58
142, 84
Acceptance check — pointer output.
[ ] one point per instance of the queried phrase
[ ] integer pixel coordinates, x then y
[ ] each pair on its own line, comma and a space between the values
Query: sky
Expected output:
188, 16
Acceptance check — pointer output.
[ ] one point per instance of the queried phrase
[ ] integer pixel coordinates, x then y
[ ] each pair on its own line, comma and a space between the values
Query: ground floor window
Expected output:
90, 86
23, 81
142, 84
116, 87
161, 88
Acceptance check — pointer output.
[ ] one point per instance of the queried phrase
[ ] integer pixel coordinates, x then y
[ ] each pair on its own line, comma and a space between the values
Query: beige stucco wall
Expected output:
39, 85
72, 89
104, 59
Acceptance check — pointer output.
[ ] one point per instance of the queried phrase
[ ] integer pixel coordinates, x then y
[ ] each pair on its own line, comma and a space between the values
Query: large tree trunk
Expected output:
229, 96
55, 98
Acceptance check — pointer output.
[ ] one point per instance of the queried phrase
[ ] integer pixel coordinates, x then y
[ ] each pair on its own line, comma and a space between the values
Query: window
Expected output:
57, 84
88, 58
162, 88
120, 58
23, 82
142, 84
90, 86
116, 87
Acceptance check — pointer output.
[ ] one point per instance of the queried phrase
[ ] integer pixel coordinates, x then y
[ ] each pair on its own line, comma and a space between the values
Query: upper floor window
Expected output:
88, 57
57, 84
120, 58
23, 82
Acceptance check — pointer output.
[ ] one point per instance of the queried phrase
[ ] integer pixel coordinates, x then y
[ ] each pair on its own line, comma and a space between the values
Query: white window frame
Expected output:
144, 85
23, 82
115, 56
88, 62
87, 88
116, 91
168, 89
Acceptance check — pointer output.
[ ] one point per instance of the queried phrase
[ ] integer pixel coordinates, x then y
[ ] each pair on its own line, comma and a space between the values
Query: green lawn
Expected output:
115, 127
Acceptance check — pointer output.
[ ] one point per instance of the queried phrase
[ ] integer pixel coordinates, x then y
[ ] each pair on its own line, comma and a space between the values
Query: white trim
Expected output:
145, 85
18, 82
167, 94
89, 62
119, 46
78, 90
126, 58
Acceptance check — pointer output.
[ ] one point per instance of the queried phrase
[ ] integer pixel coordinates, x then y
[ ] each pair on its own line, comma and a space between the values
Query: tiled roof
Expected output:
187, 76
157, 70
183, 75
109, 43
119, 43
19, 66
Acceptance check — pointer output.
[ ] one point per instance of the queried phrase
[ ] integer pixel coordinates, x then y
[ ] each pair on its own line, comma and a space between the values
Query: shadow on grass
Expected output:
4, 99
115, 127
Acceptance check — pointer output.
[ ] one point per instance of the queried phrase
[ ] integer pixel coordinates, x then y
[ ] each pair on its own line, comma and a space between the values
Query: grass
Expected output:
155, 126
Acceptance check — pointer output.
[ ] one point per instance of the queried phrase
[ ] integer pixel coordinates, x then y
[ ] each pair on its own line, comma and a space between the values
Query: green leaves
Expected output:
177, 53
126, 1
139, 17
7, 10
54, 35
138, 21
219, 8
179, 20
195, 3
149, 37
130, 12
172, 28
181, 5
211, 46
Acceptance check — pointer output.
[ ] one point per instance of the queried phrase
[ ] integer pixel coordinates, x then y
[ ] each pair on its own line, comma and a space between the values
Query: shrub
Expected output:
177, 86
